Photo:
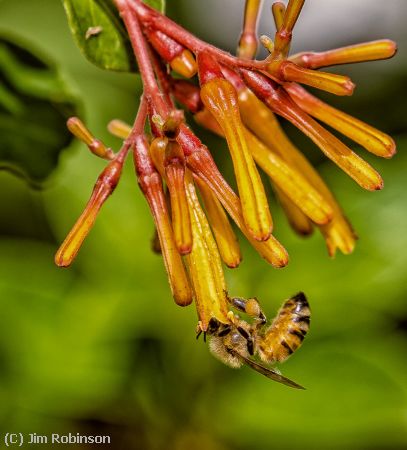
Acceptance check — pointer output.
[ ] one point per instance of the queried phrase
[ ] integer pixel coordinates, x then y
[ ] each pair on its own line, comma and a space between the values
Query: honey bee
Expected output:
236, 342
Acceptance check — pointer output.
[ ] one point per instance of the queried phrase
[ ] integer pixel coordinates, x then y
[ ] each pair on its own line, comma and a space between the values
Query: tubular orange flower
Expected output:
104, 187
174, 165
219, 96
204, 264
368, 51
330, 82
151, 185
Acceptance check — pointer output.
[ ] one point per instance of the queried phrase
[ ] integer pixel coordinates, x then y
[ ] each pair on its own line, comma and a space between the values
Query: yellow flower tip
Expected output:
104, 187
389, 145
292, 13
280, 255
185, 64
339, 235
271, 250
62, 259
367, 51
79, 130
220, 98
119, 128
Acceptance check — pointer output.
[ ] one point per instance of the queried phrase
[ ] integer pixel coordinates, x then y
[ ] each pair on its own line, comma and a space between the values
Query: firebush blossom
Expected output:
242, 100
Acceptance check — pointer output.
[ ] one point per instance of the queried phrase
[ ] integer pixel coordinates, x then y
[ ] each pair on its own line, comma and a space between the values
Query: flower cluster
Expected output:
239, 98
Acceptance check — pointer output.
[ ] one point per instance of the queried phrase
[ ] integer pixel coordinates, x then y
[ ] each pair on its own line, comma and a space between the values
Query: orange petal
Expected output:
220, 98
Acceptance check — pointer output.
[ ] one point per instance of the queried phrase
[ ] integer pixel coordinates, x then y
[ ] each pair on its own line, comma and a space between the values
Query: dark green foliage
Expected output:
35, 103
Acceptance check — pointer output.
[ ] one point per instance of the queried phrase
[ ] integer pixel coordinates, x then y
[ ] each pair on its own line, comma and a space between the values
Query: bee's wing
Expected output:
269, 373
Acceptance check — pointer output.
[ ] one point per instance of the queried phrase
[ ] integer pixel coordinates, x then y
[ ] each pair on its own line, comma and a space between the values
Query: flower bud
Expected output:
367, 51
180, 59
174, 165
79, 130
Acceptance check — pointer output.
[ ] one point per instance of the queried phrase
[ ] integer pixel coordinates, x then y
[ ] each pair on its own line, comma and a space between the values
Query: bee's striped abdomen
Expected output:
287, 331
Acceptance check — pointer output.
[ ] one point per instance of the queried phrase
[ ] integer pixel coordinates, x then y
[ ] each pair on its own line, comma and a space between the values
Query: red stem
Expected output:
152, 18
142, 54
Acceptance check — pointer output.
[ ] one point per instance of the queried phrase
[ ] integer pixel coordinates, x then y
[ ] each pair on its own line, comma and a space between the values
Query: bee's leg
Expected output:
249, 306
199, 329
225, 331
249, 339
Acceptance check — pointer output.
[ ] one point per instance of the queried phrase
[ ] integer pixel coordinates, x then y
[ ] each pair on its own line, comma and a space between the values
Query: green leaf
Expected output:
34, 106
100, 33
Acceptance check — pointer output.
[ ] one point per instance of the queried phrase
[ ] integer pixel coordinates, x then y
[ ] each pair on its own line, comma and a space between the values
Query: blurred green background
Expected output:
102, 349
